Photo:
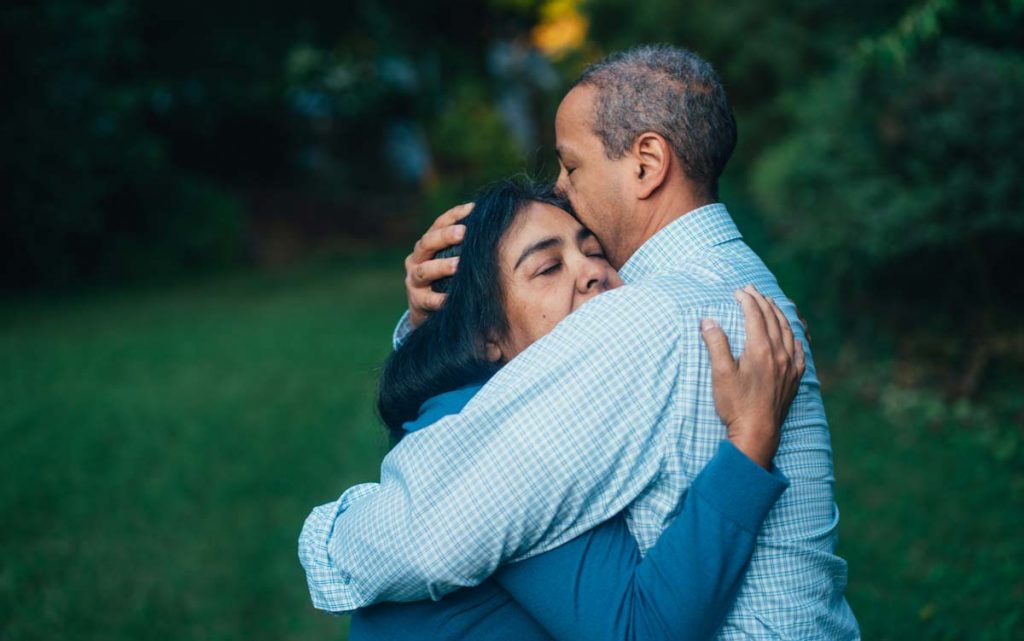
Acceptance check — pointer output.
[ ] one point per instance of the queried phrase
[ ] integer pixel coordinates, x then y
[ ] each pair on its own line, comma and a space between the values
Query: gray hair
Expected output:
670, 91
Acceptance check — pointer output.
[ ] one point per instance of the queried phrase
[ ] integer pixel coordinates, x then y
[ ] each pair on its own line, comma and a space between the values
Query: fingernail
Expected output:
707, 324
455, 262
460, 232
750, 289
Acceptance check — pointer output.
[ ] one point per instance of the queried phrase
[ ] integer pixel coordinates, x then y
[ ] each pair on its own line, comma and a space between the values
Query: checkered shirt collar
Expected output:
699, 229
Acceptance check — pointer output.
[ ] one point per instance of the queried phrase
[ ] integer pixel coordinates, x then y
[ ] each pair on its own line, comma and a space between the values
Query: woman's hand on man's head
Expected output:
422, 269
753, 393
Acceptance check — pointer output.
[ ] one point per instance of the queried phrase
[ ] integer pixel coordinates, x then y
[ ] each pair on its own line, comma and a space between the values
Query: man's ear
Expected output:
654, 158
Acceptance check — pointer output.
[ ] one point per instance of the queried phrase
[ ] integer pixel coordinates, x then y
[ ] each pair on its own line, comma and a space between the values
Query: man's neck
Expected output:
661, 212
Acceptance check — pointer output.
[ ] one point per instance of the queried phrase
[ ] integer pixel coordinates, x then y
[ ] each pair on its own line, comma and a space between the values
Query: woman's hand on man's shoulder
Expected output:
753, 393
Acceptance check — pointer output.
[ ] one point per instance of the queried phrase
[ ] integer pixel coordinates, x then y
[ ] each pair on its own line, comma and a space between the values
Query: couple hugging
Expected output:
568, 468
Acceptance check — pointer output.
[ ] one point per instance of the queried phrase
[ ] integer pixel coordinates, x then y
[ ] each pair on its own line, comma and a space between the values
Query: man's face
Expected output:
593, 183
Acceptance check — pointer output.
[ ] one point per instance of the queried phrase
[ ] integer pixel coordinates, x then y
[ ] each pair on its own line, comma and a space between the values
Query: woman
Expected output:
525, 264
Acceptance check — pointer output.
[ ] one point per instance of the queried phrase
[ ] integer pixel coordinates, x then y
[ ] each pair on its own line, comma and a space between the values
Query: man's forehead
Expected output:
573, 117
578, 105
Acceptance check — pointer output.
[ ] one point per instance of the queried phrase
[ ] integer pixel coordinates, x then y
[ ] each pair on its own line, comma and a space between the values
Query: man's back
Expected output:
795, 585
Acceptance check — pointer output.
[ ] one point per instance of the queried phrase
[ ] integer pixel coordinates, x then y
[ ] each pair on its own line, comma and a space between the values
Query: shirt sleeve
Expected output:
563, 438
329, 588
402, 330
597, 588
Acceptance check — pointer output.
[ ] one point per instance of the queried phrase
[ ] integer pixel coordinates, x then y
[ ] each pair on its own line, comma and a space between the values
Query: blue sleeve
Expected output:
596, 586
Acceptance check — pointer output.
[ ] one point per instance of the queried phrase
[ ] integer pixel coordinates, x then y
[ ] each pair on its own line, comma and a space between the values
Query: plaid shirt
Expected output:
612, 410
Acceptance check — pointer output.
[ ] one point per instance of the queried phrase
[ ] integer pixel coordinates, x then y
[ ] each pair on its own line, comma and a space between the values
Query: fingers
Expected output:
771, 323
452, 216
722, 361
426, 303
794, 349
432, 301
788, 341
423, 274
443, 233
800, 359
753, 320
435, 240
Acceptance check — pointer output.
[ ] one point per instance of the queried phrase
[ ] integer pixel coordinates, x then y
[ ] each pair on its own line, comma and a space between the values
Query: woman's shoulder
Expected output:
437, 407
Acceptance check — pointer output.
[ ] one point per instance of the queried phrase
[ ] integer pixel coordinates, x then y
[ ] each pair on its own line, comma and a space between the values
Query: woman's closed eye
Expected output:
550, 269
591, 248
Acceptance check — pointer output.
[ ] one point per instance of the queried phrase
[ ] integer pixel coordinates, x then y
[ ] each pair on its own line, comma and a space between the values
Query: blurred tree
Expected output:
900, 186
136, 133
121, 136
763, 50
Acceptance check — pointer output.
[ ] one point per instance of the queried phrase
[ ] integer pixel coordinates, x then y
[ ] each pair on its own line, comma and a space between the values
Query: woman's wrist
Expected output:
758, 442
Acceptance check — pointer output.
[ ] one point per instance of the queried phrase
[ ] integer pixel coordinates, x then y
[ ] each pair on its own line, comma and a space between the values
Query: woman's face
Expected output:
550, 265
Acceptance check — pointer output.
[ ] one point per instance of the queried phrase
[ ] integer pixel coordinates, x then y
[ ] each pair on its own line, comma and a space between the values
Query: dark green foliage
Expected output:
472, 146
135, 134
98, 186
762, 50
900, 181
931, 494
895, 160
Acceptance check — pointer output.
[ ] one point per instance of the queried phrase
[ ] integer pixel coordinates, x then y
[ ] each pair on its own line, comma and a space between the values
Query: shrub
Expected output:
905, 180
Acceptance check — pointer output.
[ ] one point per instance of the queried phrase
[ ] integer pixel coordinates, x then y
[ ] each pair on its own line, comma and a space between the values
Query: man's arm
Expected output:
490, 485
564, 437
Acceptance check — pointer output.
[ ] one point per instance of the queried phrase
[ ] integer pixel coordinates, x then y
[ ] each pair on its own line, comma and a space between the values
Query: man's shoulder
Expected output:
668, 295
652, 314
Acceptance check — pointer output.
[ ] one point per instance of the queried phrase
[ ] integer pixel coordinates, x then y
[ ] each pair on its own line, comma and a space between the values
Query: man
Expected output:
613, 409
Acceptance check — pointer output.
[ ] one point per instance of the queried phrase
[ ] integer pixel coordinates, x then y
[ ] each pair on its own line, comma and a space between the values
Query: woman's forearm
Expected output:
597, 587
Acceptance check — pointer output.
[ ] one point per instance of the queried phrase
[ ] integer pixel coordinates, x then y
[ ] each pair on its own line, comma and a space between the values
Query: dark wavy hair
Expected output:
448, 350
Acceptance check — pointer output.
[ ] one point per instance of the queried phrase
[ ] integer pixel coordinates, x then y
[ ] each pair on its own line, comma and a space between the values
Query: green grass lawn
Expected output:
160, 449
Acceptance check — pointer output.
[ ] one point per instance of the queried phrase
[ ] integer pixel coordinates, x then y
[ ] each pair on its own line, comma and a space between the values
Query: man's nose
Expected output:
562, 181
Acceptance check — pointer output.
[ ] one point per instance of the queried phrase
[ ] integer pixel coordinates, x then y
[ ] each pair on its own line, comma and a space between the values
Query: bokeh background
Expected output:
205, 210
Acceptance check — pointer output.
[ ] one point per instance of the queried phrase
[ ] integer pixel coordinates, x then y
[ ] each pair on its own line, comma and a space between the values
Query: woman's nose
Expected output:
590, 279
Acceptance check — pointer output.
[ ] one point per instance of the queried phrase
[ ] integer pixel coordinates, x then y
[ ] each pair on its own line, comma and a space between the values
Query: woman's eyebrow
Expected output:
540, 245
582, 235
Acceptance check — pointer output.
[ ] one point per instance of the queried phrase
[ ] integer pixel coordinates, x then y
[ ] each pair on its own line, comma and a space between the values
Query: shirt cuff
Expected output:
738, 488
330, 588
402, 330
